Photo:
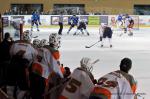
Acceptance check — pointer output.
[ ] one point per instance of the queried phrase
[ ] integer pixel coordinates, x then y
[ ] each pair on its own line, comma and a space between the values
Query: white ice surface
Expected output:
137, 48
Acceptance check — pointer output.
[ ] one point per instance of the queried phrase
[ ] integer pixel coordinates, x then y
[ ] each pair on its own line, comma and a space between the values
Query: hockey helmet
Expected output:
36, 43
43, 42
86, 64
54, 39
26, 35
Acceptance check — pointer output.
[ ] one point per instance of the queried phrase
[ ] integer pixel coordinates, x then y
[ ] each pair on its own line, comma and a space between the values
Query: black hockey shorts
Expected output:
34, 22
107, 34
72, 25
82, 26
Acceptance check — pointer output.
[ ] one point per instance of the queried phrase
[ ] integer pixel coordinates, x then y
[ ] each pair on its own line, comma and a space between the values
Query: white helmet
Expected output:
36, 43
43, 42
86, 64
54, 39
26, 35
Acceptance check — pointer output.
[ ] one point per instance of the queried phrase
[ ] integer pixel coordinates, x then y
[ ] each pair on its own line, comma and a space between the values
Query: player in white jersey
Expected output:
128, 24
24, 46
51, 57
81, 83
43, 67
116, 85
105, 32
81, 26
22, 55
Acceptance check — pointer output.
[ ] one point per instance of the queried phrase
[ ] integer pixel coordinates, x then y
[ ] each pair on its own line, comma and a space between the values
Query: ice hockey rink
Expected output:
136, 47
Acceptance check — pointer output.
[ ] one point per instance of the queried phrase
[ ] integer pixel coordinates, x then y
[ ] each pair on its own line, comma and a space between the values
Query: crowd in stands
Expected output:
55, 12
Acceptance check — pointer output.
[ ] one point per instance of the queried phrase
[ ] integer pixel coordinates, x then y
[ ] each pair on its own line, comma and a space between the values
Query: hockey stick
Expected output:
35, 36
96, 61
32, 35
92, 45
3, 95
91, 68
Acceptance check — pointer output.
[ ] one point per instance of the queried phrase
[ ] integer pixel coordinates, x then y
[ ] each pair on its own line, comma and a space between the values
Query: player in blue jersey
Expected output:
73, 21
119, 21
35, 19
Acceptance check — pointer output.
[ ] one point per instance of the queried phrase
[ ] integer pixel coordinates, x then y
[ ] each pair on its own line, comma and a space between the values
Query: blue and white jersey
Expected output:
74, 20
119, 18
35, 17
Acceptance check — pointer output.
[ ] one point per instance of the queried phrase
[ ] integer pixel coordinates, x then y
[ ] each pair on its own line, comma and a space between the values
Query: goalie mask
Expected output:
54, 40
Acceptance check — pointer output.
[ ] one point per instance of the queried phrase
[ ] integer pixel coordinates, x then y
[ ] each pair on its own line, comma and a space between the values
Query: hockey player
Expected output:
35, 19
73, 21
113, 23
81, 26
43, 68
81, 83
116, 85
22, 54
56, 77
128, 24
105, 31
36, 43
24, 45
119, 21
54, 45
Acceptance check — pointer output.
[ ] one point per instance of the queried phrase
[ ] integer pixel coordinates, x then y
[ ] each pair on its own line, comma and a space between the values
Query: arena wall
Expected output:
109, 6
92, 20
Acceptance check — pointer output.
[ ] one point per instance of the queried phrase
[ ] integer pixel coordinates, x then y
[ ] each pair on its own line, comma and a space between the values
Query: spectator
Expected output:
5, 47
6, 12
4, 57
0, 27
